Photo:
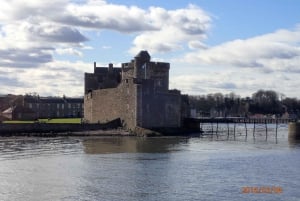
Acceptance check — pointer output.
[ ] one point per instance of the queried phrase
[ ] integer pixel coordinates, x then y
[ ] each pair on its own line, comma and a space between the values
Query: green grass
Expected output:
17, 122
62, 121
50, 121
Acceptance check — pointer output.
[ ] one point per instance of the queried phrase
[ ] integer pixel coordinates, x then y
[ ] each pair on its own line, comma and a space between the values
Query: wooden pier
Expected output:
241, 120
251, 125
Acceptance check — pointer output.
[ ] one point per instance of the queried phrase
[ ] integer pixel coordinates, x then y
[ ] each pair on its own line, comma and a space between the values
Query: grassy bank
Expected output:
54, 121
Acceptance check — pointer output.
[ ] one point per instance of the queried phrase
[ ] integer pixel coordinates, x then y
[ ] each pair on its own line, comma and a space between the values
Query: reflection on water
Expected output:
14, 148
131, 145
294, 142
148, 169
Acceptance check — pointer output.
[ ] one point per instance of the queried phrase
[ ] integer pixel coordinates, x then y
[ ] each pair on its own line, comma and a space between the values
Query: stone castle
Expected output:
137, 93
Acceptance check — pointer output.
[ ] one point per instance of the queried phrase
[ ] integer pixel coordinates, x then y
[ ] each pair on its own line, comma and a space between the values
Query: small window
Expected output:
159, 82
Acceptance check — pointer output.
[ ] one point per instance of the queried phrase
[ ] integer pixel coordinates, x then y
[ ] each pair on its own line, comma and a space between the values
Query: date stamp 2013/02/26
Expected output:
262, 189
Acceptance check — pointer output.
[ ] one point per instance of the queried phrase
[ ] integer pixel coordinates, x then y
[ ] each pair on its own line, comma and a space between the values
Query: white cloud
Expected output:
275, 51
51, 79
19, 10
175, 29
97, 14
69, 51
195, 44
42, 28
270, 61
24, 44
243, 82
106, 47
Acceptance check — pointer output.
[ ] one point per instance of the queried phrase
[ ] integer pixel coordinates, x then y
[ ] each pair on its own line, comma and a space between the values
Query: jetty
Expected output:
215, 126
241, 120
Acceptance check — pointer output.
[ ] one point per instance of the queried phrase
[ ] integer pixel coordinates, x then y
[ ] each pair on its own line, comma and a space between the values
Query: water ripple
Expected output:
18, 148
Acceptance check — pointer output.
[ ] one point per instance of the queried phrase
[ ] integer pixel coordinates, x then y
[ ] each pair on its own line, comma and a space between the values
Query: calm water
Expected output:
129, 168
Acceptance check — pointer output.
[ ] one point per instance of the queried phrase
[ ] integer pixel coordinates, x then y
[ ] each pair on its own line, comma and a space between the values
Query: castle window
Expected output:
159, 82
126, 80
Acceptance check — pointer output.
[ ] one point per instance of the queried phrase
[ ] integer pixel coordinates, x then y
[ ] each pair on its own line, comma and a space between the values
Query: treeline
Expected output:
266, 102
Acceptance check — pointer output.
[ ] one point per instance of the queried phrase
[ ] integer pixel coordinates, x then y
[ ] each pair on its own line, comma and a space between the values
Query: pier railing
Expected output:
243, 120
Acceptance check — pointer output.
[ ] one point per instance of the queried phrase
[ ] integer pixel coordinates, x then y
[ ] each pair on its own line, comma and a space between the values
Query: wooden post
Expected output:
234, 130
254, 129
217, 129
227, 129
266, 124
212, 129
276, 129
246, 127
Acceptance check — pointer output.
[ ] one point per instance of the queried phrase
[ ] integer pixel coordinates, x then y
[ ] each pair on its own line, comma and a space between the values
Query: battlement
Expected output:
139, 68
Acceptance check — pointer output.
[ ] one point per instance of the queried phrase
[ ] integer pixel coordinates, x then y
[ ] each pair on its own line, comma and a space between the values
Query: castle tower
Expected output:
141, 60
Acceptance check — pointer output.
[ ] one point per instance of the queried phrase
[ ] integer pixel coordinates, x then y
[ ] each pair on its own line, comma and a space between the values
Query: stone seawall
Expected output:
112, 128
39, 128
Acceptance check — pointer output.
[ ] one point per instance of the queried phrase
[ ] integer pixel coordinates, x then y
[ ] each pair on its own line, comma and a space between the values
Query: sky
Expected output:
213, 46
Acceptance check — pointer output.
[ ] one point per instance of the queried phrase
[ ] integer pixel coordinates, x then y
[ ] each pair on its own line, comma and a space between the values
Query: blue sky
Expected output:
213, 46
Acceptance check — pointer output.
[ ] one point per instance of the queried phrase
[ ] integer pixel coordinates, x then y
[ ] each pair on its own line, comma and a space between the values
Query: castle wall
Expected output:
159, 109
104, 105
102, 78
90, 82
159, 72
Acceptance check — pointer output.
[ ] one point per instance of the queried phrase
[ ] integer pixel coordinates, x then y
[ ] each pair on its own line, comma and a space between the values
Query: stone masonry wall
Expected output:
159, 109
101, 106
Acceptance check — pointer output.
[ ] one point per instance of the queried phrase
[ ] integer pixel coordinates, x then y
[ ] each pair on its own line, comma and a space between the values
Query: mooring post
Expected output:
234, 130
227, 129
254, 129
276, 129
266, 124
246, 128
212, 129
217, 127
